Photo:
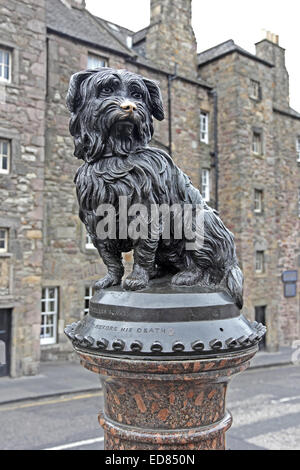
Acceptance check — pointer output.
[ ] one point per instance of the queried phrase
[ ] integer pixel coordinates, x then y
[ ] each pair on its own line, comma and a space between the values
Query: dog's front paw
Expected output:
138, 279
107, 281
187, 278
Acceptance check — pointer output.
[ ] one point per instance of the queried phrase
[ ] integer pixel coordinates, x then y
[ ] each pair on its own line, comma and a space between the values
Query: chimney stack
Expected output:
270, 50
171, 40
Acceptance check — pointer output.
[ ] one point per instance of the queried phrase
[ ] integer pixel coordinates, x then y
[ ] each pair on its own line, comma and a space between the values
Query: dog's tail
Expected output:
234, 281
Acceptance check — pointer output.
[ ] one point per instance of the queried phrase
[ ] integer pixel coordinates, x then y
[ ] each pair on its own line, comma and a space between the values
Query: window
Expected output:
255, 90
257, 143
260, 317
89, 292
95, 61
258, 201
3, 240
129, 42
49, 315
204, 127
298, 148
205, 185
5, 65
260, 262
4, 156
88, 243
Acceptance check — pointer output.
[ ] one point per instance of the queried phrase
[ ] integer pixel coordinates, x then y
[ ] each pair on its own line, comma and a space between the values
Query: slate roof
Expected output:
82, 25
225, 48
286, 111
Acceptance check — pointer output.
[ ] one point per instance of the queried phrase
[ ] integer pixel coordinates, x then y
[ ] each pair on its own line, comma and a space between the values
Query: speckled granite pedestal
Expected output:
165, 356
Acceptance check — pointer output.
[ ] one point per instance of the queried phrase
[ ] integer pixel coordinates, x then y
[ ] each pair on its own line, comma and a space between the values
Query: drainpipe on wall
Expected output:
170, 80
215, 153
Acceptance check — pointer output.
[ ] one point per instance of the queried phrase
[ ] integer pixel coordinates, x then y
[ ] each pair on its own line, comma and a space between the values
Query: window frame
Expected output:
257, 133
5, 238
298, 148
260, 254
88, 242
261, 193
46, 340
7, 50
252, 95
8, 141
205, 185
88, 297
204, 132
95, 55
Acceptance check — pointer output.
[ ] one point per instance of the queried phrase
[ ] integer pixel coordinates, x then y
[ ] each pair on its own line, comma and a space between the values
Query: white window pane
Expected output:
204, 127
49, 313
95, 61
5, 60
206, 185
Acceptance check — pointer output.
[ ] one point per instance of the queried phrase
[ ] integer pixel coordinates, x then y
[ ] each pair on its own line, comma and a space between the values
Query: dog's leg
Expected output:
189, 276
112, 258
143, 268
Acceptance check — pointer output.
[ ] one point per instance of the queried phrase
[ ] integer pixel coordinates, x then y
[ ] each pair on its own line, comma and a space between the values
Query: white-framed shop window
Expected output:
95, 61
88, 243
49, 315
3, 240
204, 127
88, 294
5, 65
5, 150
205, 184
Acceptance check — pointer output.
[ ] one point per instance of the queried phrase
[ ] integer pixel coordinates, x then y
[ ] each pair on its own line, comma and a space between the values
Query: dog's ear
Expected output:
75, 96
156, 99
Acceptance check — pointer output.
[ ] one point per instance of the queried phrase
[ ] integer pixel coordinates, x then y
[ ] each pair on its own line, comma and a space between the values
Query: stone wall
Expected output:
286, 130
22, 108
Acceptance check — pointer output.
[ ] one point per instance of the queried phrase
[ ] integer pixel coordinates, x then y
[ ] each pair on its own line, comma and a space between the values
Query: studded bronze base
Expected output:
165, 405
165, 356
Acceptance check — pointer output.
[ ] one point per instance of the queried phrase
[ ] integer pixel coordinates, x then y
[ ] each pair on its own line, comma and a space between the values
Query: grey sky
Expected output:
216, 21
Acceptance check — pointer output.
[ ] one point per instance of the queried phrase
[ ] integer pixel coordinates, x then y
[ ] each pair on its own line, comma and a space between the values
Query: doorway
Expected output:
5, 341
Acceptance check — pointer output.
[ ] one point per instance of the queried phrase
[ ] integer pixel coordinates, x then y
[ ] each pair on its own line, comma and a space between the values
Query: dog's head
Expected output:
111, 112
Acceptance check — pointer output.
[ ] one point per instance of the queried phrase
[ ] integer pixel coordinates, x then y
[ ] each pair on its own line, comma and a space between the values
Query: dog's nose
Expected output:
128, 106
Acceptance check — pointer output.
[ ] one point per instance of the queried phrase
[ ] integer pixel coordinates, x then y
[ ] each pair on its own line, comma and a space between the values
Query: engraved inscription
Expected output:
143, 330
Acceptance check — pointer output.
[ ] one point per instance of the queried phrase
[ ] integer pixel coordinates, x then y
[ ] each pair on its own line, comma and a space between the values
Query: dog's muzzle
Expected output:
128, 106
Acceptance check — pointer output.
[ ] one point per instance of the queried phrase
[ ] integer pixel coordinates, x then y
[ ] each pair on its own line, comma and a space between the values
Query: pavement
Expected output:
61, 378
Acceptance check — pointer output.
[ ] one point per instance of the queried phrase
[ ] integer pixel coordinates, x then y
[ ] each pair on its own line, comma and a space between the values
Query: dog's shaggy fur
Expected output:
111, 122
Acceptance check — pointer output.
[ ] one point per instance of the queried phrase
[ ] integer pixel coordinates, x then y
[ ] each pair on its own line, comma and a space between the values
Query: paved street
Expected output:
265, 404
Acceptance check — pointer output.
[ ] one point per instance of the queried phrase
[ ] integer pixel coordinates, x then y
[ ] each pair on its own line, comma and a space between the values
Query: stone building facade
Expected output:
228, 125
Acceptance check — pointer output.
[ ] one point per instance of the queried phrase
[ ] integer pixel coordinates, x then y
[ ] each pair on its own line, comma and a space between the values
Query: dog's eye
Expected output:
137, 95
107, 90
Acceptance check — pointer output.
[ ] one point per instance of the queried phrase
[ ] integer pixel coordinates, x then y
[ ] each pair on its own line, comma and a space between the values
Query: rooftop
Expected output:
223, 49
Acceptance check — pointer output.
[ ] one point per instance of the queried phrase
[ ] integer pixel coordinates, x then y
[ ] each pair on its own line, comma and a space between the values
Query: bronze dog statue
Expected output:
111, 122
